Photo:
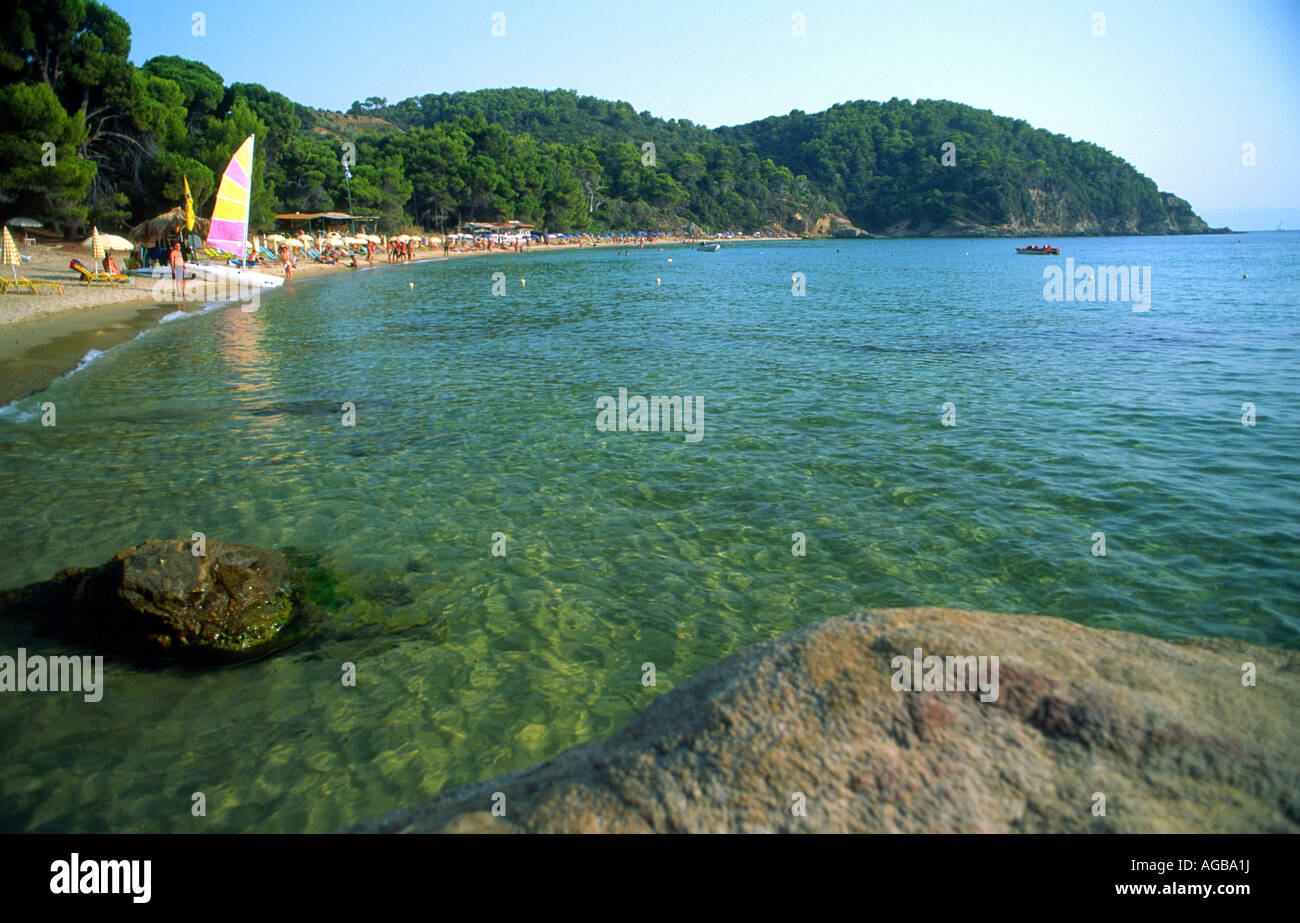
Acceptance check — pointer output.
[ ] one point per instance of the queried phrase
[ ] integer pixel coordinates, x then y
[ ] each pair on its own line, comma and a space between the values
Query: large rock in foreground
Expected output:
159, 600
1165, 731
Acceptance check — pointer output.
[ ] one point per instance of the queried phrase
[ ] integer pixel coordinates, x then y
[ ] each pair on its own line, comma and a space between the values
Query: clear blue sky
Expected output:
1176, 88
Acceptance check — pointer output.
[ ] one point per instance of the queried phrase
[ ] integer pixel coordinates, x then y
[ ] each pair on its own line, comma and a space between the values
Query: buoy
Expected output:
412, 284
522, 282
670, 259
656, 281
1244, 276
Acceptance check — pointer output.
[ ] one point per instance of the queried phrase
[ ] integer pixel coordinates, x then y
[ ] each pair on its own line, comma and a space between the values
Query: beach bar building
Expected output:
502, 232
316, 223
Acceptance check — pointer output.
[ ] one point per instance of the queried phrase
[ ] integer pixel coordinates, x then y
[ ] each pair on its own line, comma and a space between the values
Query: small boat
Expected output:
1041, 251
228, 231
708, 247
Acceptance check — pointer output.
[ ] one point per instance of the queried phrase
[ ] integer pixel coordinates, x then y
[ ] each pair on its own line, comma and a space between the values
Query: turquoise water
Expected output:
476, 414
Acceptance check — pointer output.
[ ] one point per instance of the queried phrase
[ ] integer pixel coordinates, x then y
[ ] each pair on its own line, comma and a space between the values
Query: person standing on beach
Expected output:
178, 268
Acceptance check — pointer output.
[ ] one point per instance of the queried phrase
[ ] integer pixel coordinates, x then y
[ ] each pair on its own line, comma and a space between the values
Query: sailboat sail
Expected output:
229, 229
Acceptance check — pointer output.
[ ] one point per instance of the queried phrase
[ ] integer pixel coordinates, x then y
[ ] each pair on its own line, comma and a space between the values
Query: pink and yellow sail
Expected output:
229, 229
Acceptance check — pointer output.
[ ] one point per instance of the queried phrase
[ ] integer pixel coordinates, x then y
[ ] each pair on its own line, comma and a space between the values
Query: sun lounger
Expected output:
33, 287
88, 277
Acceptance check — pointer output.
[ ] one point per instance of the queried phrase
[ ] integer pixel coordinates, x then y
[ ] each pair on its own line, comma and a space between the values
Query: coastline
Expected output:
43, 337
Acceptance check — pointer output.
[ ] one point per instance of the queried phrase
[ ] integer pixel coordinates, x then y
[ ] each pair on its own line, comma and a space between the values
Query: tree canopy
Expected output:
90, 137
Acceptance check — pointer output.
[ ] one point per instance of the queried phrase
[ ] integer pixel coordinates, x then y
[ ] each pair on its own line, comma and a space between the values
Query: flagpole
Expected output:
347, 178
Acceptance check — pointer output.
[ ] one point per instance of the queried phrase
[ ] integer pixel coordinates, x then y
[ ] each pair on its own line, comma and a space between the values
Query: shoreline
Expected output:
48, 336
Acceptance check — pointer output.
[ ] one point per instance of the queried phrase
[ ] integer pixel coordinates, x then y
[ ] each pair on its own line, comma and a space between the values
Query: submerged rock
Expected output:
159, 600
1164, 732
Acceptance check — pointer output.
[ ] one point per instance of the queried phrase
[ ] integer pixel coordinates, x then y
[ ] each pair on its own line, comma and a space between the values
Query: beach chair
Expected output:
36, 288
88, 277
268, 255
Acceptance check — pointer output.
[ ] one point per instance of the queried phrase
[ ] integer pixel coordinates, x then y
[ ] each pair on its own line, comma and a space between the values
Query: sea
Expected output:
502, 536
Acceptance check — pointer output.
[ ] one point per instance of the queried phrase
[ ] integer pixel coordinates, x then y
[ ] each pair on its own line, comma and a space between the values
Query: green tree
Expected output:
41, 174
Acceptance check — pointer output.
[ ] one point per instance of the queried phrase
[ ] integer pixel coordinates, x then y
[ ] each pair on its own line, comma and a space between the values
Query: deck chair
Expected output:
36, 288
88, 277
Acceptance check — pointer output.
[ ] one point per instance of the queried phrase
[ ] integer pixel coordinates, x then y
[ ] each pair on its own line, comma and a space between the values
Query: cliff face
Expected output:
1087, 731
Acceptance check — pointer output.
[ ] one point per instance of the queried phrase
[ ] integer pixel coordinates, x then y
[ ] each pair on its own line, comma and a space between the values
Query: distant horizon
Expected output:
1172, 88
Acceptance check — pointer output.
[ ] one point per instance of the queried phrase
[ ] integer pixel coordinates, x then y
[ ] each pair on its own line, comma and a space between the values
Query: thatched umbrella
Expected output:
155, 229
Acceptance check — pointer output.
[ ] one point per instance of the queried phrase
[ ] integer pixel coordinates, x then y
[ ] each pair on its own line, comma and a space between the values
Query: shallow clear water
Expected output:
476, 414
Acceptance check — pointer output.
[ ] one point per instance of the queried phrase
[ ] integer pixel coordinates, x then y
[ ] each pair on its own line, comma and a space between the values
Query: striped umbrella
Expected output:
9, 253
96, 246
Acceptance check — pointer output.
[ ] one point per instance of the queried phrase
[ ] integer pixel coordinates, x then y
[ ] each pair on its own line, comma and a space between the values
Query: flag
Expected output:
189, 206
346, 172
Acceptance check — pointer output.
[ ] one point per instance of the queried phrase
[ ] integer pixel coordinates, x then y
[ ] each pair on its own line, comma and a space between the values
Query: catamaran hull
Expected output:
233, 276
230, 276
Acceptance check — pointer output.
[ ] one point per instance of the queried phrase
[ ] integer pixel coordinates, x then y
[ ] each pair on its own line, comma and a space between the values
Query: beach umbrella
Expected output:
374, 238
96, 246
294, 242
24, 223
114, 242
9, 255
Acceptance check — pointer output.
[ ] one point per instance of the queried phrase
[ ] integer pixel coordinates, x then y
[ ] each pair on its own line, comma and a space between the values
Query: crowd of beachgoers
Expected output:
296, 257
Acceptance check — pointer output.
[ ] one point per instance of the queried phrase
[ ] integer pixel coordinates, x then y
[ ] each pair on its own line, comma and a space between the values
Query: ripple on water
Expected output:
475, 415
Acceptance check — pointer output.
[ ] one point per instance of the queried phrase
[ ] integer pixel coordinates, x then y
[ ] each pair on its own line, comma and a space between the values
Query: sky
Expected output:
1203, 96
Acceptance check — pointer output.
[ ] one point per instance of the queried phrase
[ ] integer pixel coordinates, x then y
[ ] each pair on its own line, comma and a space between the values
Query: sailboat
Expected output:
228, 230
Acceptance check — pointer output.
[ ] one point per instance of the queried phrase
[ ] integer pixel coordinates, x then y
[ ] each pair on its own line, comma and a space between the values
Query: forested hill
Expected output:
929, 167
938, 167
87, 137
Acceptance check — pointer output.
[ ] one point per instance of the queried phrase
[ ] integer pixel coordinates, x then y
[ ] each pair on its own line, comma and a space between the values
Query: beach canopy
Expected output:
100, 244
160, 226
24, 223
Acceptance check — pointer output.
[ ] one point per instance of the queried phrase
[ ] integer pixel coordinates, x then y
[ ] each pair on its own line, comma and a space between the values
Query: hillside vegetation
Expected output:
89, 137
